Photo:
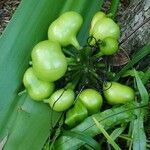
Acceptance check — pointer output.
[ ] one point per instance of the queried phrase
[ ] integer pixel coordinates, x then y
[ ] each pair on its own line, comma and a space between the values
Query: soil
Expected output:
7, 8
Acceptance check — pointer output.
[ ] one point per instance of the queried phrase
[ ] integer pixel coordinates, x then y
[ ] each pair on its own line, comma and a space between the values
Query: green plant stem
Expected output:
70, 60
68, 52
72, 85
73, 68
94, 74
125, 137
130, 146
110, 140
113, 8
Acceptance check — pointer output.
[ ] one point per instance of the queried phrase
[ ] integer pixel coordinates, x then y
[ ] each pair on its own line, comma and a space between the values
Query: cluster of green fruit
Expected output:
107, 32
90, 101
49, 64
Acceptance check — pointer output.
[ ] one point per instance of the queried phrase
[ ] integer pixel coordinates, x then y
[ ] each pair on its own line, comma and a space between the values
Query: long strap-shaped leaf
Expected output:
108, 119
107, 136
27, 122
142, 90
83, 137
139, 137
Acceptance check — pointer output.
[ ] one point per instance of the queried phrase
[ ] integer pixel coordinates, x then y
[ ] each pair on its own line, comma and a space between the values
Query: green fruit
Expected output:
92, 100
98, 16
105, 28
116, 93
61, 99
109, 46
76, 114
49, 63
37, 89
65, 28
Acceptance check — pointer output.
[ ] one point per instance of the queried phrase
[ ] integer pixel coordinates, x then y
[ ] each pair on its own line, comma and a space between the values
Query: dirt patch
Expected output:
7, 8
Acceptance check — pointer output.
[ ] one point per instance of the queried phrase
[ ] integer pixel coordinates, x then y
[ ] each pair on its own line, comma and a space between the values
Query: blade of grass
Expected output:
139, 137
142, 90
135, 58
108, 118
83, 137
125, 137
117, 132
109, 139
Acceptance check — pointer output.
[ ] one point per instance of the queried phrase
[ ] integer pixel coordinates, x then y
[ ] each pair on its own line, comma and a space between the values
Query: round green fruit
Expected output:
65, 28
116, 93
97, 17
92, 100
61, 99
49, 63
105, 28
37, 89
109, 46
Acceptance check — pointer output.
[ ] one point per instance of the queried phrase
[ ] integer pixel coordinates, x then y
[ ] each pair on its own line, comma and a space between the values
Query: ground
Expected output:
7, 8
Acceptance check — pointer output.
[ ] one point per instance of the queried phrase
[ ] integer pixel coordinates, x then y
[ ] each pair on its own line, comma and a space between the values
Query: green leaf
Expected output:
83, 137
146, 76
132, 74
143, 92
28, 128
117, 132
135, 58
108, 137
108, 119
139, 137
32, 125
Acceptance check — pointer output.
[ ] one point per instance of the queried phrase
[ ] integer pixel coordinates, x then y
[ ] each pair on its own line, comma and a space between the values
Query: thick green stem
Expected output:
73, 68
125, 138
75, 43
